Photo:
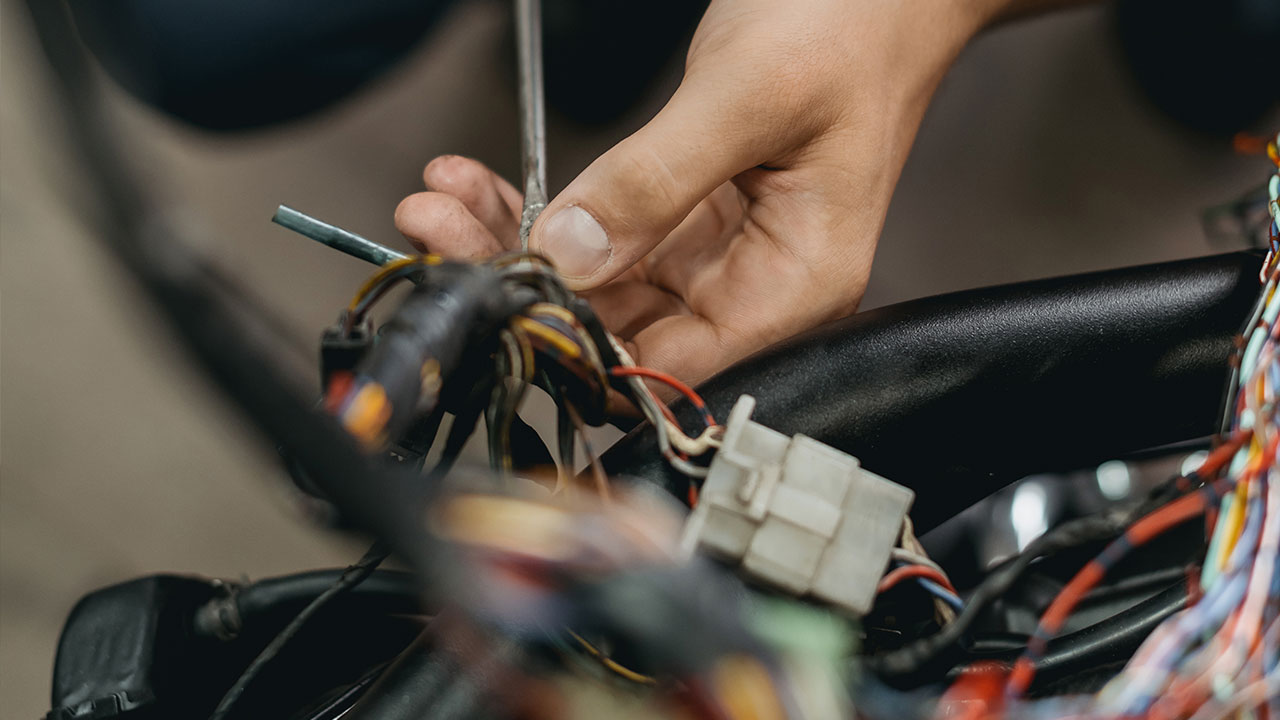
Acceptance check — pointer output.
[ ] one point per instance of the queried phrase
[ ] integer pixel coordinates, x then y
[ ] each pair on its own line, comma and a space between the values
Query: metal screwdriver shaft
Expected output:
533, 125
335, 237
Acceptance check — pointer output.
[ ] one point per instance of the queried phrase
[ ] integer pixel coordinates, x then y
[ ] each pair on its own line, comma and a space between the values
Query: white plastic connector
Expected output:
797, 514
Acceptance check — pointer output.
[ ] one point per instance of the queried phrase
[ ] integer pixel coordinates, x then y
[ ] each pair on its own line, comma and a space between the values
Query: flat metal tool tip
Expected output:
335, 237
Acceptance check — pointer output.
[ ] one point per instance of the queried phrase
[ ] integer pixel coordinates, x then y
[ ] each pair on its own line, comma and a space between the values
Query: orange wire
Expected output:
1149, 526
913, 571
670, 380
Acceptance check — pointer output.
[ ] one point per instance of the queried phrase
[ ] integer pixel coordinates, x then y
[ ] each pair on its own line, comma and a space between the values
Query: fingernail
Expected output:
575, 242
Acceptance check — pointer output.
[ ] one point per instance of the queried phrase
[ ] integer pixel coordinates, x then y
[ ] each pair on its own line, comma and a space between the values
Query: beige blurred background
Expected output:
1037, 158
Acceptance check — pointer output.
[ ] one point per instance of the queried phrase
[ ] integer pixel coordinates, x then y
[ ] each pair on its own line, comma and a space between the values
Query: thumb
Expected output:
631, 197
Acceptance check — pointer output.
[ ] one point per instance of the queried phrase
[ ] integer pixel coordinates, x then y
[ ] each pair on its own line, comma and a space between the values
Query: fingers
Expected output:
494, 202
631, 197
688, 347
469, 212
439, 223
626, 307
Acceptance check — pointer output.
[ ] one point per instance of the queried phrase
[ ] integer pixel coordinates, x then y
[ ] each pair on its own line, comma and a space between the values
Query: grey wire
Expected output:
1233, 379
533, 126
649, 407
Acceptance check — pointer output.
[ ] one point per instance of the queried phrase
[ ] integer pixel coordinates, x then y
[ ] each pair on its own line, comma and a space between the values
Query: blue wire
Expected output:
940, 592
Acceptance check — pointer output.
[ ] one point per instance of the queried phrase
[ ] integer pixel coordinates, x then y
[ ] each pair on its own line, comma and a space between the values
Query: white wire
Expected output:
653, 413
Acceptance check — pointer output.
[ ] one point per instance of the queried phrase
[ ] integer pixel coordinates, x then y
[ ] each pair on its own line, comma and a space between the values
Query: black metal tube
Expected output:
957, 395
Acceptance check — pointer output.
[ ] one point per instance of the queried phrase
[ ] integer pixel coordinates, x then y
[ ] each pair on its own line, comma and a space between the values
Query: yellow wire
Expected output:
622, 670
562, 343
555, 311
387, 270
1235, 524
585, 341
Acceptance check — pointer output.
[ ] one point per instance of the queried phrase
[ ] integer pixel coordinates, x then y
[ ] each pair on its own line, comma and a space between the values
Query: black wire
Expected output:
495, 418
1106, 641
464, 425
231, 337
934, 653
414, 272
340, 705
350, 578
930, 652
271, 599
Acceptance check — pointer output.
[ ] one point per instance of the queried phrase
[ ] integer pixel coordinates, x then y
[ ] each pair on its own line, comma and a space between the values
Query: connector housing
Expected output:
797, 514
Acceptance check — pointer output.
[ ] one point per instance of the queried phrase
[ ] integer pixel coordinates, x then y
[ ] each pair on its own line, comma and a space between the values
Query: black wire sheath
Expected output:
231, 337
1102, 644
391, 592
926, 659
349, 578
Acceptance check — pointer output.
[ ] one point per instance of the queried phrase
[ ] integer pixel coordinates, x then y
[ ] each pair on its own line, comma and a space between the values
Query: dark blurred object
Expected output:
126, 645
1243, 221
234, 65
601, 55
1210, 64
227, 65
150, 648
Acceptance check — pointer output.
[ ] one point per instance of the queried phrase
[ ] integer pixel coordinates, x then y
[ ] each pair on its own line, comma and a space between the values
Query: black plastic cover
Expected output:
958, 395
118, 648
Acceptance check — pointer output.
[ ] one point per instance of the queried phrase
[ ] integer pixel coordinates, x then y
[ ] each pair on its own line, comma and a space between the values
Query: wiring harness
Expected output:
592, 579
1219, 657
1213, 648
494, 329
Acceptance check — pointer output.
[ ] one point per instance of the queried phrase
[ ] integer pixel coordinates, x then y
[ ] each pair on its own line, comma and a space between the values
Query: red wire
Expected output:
670, 380
1146, 528
1149, 526
914, 571
1222, 454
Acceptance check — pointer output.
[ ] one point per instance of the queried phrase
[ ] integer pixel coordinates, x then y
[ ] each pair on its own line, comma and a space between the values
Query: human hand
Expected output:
749, 208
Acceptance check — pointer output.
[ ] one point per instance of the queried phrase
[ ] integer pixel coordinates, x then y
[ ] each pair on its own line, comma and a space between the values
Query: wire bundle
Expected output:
563, 333
545, 336
911, 561
1221, 656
